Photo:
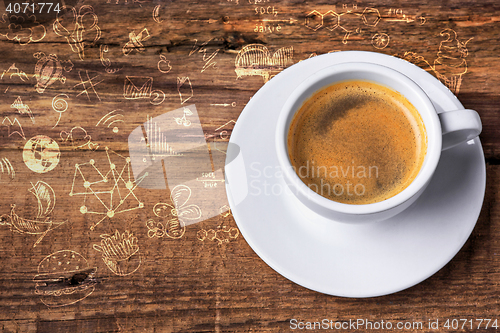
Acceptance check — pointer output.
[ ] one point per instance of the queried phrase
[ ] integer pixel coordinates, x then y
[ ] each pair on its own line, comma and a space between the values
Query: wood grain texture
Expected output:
188, 285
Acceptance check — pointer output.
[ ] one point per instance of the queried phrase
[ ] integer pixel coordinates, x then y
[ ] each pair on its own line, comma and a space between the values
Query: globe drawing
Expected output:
41, 154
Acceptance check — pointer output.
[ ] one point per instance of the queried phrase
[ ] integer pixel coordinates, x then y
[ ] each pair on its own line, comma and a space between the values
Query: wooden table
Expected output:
68, 81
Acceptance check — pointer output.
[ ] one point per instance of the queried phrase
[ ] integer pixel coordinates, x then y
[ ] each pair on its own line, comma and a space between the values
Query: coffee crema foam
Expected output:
357, 142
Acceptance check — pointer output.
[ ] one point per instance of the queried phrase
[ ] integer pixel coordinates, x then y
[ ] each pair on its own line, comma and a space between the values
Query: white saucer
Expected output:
365, 260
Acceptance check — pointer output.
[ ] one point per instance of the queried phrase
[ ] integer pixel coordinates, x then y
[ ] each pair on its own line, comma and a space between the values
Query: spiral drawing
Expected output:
59, 105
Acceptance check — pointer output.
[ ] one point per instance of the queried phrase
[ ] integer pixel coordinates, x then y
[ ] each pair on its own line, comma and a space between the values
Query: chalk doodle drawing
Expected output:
351, 20
126, 1
106, 193
84, 28
42, 223
184, 88
233, 104
398, 15
156, 14
135, 42
223, 233
164, 64
380, 40
32, 31
64, 278
255, 59
111, 119
88, 83
175, 226
14, 127
208, 59
347, 22
371, 16
78, 138
217, 141
157, 144
41, 154
28, 226
450, 64
59, 105
221, 134
6, 167
46, 198
13, 71
183, 120
169, 171
105, 61
22, 108
209, 179
270, 23
120, 252
141, 87
49, 69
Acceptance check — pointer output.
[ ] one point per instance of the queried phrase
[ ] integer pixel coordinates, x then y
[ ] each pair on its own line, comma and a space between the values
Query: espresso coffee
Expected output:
357, 142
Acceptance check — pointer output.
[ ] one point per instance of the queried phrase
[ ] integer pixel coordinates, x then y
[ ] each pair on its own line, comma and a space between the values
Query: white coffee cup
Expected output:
443, 130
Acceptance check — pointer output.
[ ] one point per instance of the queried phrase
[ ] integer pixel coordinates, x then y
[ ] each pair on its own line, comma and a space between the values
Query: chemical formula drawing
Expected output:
223, 233
351, 20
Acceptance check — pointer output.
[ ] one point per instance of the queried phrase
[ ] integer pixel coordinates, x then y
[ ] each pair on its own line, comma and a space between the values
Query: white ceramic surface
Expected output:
389, 78
339, 259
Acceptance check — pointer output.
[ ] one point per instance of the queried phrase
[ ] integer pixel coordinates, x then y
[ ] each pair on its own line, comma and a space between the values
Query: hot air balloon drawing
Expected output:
48, 70
41, 224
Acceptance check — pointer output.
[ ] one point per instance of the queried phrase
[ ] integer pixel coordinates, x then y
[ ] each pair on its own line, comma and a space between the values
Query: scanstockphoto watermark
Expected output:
329, 180
357, 324
432, 324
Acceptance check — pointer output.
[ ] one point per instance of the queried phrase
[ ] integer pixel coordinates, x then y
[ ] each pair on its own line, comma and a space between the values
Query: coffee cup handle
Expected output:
458, 126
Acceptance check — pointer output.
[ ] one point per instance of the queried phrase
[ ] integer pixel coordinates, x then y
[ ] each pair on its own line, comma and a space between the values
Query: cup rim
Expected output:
431, 123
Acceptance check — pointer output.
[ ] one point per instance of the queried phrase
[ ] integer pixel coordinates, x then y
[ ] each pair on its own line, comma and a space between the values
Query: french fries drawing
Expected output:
120, 252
